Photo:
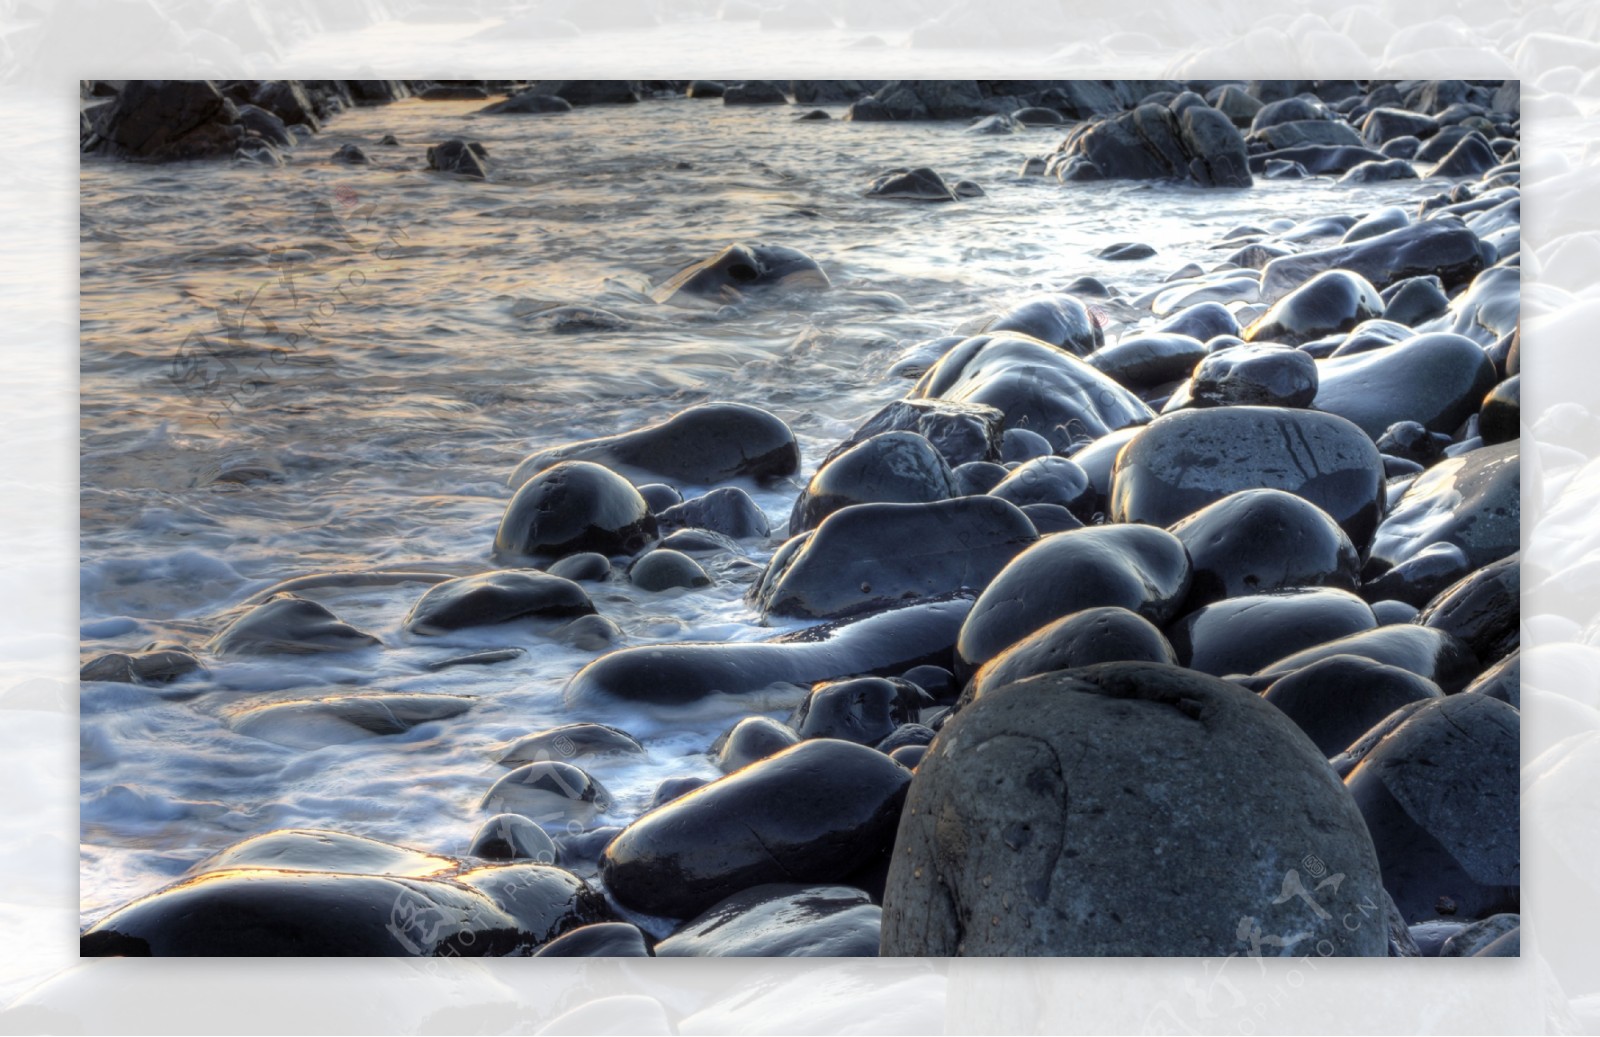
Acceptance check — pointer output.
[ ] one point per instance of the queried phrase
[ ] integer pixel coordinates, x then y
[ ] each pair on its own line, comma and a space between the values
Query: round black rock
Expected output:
1094, 635
1332, 301
511, 837
1139, 568
1257, 541
600, 940
865, 710
814, 813
1436, 379
751, 739
666, 569
893, 467
573, 507
1268, 376
1339, 698
496, 597
782, 920
1032, 813
1241, 635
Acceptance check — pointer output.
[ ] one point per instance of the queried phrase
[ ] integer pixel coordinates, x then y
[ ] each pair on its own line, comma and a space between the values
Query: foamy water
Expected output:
377, 337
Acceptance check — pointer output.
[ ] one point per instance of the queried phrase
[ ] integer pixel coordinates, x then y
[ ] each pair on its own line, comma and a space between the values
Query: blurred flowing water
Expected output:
326, 367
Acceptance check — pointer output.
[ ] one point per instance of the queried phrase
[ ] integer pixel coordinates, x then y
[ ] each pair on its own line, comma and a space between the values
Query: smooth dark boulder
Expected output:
549, 791
976, 478
1241, 635
914, 185
1473, 501
889, 468
814, 813
1338, 698
1440, 793
1385, 124
570, 740
1030, 827
573, 507
1140, 568
754, 91
1035, 386
1470, 157
1049, 480
873, 556
1060, 319
599, 940
659, 496
512, 837
1264, 540
738, 270
464, 158
783, 920
1203, 321
864, 710
1019, 444
1093, 635
1256, 375
1332, 301
665, 569
1437, 380
585, 567
496, 597
727, 510
882, 644
288, 625
156, 663
961, 432
342, 719
751, 739
699, 446
1500, 418
1188, 459
1379, 172
1145, 360
1414, 301
1433, 654
528, 102
1483, 609
1442, 248
1501, 681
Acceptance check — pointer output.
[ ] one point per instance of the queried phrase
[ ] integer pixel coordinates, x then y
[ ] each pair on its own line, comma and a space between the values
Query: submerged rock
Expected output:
340, 719
289, 625
496, 597
464, 158
737, 271
783, 920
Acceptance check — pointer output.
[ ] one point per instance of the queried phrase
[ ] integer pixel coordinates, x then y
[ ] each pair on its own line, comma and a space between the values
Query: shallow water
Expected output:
369, 338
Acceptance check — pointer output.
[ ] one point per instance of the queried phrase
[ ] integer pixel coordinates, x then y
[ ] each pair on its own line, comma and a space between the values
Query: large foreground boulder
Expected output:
1110, 811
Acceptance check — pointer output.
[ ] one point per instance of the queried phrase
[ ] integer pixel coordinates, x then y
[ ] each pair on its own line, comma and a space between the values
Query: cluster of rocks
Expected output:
1196, 640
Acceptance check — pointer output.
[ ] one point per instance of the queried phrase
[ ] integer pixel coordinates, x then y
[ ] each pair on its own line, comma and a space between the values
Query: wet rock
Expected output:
916, 185
600, 940
782, 921
1338, 698
589, 91
528, 102
885, 643
1061, 320
1385, 124
1123, 251
1302, 132
813, 813
1049, 480
341, 719
512, 837
751, 739
961, 432
1498, 936
1379, 172
156, 663
909, 756
548, 791
288, 625
496, 597
978, 477
1151, 142
917, 99
889, 468
464, 158
1020, 444
1501, 681
573, 507
659, 496
570, 741
1257, 375
701, 89
1500, 419
1259, 541
1415, 300
1435, 379
1036, 386
906, 734
990, 859
754, 91
873, 556
1472, 501
1241, 635
700, 446
1051, 518
673, 788
1144, 361
328, 894
1332, 301
1186, 460
1441, 248
728, 510
1316, 159
1438, 787
270, 128
350, 154
864, 710
1412, 442
738, 271
665, 569
1483, 609
1139, 568
164, 120
1093, 635
1203, 321
1470, 157
1432, 654
585, 567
